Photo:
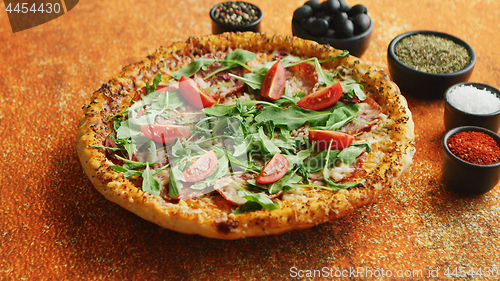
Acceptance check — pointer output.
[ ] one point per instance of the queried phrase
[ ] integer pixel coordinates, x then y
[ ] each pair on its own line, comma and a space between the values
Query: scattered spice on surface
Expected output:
432, 54
474, 100
474, 147
236, 13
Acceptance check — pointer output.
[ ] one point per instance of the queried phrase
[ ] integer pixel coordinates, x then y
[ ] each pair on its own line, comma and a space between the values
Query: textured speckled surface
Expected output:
55, 225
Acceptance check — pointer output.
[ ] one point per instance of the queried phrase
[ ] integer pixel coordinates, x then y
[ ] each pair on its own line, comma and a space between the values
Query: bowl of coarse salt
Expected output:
472, 104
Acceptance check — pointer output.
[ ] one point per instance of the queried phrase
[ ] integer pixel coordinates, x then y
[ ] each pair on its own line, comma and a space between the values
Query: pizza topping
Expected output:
370, 114
322, 98
228, 187
326, 139
194, 94
274, 170
182, 122
201, 168
273, 85
165, 133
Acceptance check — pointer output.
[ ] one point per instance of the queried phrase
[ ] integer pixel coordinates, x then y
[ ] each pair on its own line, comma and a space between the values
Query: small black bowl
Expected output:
422, 84
356, 45
219, 27
464, 177
455, 117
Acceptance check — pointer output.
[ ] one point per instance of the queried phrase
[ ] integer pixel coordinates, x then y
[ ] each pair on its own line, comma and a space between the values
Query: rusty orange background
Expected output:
55, 226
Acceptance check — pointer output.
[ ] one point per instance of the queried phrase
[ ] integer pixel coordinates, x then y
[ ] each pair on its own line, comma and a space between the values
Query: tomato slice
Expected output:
201, 168
273, 85
323, 137
195, 94
165, 133
322, 98
274, 170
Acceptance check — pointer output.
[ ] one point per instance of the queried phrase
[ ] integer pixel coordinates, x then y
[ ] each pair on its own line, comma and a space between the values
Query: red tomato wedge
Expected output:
273, 85
322, 98
323, 137
274, 170
201, 168
165, 133
195, 94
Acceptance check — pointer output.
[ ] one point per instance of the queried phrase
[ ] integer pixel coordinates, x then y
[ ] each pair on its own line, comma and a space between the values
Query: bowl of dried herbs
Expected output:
426, 63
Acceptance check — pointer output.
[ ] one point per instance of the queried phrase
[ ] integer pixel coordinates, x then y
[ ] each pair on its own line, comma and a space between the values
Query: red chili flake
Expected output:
475, 147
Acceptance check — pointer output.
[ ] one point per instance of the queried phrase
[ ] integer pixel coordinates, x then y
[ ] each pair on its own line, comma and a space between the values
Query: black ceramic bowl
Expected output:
455, 117
422, 84
464, 177
219, 27
356, 45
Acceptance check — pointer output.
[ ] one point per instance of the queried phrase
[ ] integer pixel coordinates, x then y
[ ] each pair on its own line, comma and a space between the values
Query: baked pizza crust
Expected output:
211, 217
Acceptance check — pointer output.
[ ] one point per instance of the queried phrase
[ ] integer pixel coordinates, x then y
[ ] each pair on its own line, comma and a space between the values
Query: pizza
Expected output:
245, 134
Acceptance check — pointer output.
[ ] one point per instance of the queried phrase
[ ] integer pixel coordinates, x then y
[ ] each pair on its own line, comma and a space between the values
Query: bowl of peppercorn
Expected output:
426, 63
235, 16
471, 160
334, 23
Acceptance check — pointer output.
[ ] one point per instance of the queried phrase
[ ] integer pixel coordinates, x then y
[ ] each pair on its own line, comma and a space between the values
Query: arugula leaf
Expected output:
253, 80
249, 206
341, 114
297, 159
319, 161
290, 100
353, 90
175, 184
238, 57
324, 78
192, 68
260, 198
156, 82
168, 101
268, 148
292, 117
287, 181
149, 183
349, 154
151, 146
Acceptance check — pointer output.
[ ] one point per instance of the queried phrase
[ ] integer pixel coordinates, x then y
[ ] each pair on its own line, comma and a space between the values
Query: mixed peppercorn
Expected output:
236, 13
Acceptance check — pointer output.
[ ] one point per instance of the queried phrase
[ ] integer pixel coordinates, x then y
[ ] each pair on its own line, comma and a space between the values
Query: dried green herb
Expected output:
432, 54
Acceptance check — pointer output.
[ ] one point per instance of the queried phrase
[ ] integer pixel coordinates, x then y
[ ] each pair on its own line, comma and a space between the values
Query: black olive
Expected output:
330, 33
302, 12
344, 7
318, 27
330, 6
305, 23
357, 9
361, 23
338, 18
314, 4
345, 29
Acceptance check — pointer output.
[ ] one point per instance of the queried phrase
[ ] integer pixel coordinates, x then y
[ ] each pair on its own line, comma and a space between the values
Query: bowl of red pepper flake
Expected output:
471, 161
235, 16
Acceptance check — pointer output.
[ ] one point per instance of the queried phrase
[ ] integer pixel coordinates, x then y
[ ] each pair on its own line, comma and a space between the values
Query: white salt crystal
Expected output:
473, 100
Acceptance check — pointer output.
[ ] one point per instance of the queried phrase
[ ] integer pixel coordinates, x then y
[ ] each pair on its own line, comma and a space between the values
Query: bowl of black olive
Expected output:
335, 23
233, 16
426, 63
